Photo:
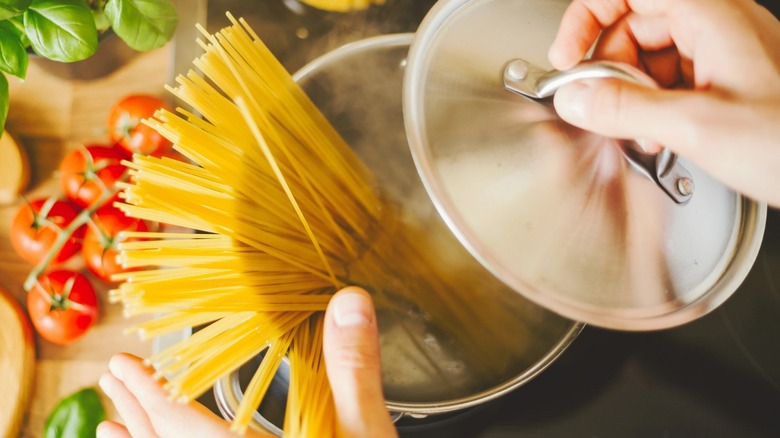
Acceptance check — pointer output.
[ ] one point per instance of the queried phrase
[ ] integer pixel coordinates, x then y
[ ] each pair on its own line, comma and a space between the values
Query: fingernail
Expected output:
572, 101
351, 309
114, 368
554, 55
103, 430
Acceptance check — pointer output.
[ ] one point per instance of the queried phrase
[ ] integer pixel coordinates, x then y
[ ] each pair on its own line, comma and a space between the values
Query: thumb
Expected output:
351, 349
620, 109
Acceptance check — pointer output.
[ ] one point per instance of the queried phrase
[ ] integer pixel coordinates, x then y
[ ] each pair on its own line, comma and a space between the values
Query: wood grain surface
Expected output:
50, 115
17, 364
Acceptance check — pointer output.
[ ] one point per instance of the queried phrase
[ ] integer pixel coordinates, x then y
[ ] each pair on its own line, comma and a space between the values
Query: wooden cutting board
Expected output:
17, 365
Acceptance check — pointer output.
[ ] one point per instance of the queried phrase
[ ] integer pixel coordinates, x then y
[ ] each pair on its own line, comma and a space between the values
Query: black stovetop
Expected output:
718, 376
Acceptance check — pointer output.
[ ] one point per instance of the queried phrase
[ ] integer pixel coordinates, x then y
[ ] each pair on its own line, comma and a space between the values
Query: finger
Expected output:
618, 43
133, 414
665, 66
580, 26
633, 34
112, 429
168, 418
699, 26
621, 109
650, 32
664, 7
696, 125
690, 22
351, 349
686, 72
691, 123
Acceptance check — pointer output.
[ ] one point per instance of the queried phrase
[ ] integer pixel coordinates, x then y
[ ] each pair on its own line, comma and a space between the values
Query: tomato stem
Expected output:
59, 301
48, 205
65, 233
126, 124
92, 170
40, 289
106, 240
41, 218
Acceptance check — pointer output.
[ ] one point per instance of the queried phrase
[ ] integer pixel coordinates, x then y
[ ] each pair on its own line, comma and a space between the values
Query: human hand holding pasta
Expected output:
720, 67
145, 407
351, 350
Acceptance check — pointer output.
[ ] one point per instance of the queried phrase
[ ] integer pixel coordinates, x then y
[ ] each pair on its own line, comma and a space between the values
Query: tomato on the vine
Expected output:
62, 306
126, 129
101, 239
38, 224
86, 173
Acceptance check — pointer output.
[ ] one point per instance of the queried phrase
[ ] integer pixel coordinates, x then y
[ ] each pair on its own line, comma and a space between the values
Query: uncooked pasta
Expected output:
284, 214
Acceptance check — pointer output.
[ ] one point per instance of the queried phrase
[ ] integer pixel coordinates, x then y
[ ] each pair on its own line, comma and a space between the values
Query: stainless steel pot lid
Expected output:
573, 221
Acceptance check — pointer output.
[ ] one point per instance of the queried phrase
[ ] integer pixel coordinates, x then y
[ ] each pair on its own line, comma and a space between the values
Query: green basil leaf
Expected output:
61, 30
76, 416
3, 101
12, 8
13, 54
18, 23
101, 21
142, 24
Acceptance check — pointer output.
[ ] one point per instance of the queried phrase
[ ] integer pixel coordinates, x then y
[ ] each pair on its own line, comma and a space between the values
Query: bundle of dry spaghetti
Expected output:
286, 215
342, 5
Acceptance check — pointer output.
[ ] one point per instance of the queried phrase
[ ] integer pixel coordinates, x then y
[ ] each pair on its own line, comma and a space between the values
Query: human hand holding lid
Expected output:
571, 218
720, 70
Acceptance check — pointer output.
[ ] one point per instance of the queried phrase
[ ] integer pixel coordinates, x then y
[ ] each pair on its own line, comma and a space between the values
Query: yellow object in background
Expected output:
17, 364
14, 169
342, 5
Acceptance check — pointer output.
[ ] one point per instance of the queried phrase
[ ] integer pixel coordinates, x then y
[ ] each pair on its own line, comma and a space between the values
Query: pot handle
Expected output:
526, 79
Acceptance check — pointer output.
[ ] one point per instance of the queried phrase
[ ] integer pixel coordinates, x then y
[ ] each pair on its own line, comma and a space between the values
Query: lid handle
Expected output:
526, 79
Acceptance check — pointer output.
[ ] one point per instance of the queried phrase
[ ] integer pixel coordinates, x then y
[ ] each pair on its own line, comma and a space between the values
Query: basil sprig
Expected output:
67, 31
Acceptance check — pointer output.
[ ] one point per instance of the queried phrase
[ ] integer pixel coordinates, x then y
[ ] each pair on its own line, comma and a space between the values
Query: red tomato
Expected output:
86, 173
126, 129
101, 239
33, 231
62, 306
